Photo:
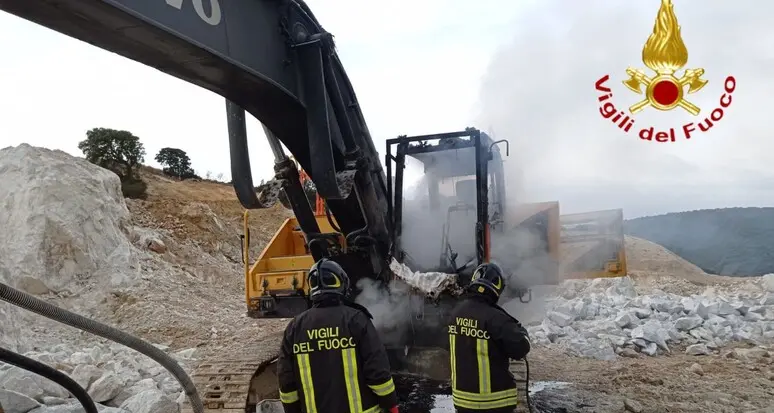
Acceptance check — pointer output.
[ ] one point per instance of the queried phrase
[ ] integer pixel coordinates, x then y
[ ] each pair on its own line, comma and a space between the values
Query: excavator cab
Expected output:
460, 201
461, 197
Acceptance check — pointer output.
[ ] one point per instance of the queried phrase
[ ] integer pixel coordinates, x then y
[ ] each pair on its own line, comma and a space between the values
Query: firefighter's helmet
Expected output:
327, 277
488, 279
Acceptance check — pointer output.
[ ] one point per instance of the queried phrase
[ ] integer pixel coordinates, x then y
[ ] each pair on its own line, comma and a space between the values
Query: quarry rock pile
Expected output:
608, 318
60, 235
120, 380
64, 224
69, 239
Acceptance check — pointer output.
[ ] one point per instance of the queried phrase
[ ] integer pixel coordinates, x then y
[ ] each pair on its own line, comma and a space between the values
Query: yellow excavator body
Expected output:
275, 284
584, 245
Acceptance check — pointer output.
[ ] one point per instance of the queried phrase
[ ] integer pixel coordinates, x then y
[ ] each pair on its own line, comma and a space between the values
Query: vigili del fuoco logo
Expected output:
664, 54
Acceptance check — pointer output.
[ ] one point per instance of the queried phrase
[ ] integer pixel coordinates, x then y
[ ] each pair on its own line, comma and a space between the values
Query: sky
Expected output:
522, 70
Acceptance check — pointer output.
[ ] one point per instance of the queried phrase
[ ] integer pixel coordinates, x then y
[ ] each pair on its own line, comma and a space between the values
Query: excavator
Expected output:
462, 203
274, 60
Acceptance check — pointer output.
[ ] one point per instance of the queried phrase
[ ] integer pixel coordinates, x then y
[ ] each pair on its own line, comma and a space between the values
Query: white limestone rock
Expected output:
150, 401
106, 387
14, 402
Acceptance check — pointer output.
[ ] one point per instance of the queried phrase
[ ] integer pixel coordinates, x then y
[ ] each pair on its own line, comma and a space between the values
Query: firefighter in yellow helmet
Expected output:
482, 339
332, 359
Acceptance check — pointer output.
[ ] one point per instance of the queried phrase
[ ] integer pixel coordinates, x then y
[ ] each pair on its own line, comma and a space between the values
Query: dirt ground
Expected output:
660, 384
192, 294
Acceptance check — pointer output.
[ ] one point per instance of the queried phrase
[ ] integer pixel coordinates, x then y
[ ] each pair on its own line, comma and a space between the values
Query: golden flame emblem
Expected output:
665, 53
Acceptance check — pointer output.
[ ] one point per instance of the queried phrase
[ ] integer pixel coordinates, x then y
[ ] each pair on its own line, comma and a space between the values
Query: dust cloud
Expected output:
421, 230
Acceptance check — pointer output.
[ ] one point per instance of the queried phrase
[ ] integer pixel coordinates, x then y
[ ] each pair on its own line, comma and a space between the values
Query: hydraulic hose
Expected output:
330, 219
30, 303
52, 374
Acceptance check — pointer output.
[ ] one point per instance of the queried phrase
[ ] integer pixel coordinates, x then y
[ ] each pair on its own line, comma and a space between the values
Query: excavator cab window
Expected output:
458, 249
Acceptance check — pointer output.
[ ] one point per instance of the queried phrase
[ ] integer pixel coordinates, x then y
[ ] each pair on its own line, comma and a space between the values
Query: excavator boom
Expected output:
271, 58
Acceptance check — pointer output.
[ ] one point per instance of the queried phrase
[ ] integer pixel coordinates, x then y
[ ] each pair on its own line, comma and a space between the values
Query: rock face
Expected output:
63, 218
607, 318
150, 401
64, 226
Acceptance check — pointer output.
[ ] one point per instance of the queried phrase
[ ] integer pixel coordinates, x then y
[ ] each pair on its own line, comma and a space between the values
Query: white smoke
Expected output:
421, 229
538, 92
391, 308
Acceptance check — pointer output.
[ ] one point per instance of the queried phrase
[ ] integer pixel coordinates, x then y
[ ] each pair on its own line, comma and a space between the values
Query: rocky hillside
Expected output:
728, 241
667, 338
156, 268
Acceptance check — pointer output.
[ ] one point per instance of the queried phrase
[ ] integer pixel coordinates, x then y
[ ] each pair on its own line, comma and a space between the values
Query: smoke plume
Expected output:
447, 228
538, 92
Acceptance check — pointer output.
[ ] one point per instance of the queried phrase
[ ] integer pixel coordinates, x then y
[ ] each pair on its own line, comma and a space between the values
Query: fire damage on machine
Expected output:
462, 190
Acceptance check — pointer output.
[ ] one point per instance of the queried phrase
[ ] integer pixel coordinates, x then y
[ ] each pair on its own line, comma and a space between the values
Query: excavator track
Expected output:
223, 380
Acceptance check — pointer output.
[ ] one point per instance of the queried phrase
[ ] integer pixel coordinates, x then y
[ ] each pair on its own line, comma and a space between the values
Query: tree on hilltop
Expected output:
176, 163
119, 151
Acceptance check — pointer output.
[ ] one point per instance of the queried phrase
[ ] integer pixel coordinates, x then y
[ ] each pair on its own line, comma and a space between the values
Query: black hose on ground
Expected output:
52, 374
38, 306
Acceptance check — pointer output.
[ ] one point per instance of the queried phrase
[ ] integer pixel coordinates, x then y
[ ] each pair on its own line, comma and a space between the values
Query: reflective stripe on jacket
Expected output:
332, 360
482, 338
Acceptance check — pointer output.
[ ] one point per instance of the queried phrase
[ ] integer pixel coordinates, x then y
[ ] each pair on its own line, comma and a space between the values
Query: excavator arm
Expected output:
273, 59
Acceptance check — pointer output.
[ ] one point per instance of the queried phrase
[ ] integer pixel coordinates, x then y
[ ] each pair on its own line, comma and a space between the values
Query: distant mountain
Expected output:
727, 241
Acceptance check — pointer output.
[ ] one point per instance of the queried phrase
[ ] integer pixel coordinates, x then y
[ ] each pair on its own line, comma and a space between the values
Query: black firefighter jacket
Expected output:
332, 361
482, 338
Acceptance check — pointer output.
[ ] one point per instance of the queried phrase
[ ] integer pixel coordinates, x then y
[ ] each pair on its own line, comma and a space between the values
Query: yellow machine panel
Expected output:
592, 244
275, 284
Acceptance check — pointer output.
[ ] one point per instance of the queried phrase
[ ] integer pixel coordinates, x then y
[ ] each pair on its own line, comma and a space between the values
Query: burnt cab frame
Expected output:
418, 147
